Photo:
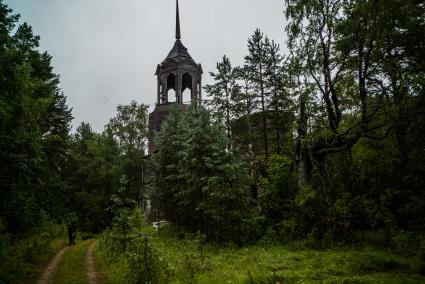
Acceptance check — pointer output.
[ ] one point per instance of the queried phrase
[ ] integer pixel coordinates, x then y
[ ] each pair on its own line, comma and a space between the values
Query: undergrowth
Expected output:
185, 258
23, 259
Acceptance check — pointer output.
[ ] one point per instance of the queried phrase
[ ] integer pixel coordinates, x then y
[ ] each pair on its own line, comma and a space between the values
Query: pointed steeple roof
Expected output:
178, 50
178, 35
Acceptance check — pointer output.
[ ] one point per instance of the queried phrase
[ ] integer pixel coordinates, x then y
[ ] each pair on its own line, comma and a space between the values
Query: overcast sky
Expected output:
106, 51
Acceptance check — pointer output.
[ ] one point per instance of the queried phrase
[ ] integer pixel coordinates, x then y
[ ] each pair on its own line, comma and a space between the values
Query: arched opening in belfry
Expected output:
187, 88
171, 96
171, 88
187, 96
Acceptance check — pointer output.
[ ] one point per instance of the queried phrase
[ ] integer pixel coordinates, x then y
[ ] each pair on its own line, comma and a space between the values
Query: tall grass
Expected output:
128, 254
266, 263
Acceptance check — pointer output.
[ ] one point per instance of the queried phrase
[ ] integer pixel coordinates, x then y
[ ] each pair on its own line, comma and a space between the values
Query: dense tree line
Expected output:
34, 128
320, 138
101, 164
45, 171
344, 108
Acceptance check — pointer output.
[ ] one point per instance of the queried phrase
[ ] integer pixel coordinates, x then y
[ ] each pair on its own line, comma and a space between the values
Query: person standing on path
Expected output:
72, 231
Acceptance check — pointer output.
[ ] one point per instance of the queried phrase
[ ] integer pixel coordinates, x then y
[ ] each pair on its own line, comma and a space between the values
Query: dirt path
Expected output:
53, 266
92, 274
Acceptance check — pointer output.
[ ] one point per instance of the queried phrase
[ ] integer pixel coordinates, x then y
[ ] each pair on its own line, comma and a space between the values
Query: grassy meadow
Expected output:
184, 261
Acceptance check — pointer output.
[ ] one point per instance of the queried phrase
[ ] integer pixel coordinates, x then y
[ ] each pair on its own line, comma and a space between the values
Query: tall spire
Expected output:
178, 35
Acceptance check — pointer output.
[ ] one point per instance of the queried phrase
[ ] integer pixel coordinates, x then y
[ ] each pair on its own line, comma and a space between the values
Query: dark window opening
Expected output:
171, 81
187, 81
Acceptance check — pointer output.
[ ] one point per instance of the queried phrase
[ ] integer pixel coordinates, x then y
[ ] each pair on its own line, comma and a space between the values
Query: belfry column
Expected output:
179, 85
159, 91
200, 90
194, 93
164, 90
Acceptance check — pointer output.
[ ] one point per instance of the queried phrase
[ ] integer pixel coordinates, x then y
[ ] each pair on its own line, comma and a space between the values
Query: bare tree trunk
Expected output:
276, 120
248, 114
228, 115
263, 111
300, 151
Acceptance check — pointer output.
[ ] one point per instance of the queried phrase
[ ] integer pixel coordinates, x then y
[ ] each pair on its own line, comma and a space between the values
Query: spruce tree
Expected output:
275, 83
245, 101
196, 173
256, 63
223, 94
167, 184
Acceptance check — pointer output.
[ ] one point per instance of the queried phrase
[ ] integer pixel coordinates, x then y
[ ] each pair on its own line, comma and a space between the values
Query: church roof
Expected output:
178, 50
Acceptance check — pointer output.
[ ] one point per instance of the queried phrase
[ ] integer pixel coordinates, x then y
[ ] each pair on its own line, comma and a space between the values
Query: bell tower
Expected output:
176, 74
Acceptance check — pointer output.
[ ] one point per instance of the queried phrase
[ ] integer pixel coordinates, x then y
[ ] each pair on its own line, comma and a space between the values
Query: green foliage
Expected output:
129, 130
145, 264
93, 175
107, 165
127, 245
271, 263
21, 258
256, 63
352, 85
350, 55
126, 220
198, 182
129, 127
224, 94
34, 133
278, 189
34, 126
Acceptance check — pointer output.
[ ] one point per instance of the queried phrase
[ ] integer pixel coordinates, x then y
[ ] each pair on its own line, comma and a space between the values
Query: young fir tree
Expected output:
256, 63
167, 183
275, 83
223, 94
196, 173
245, 101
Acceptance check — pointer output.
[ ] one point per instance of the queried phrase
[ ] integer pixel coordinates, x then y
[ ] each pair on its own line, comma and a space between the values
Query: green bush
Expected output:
20, 258
126, 250
377, 263
145, 264
269, 237
420, 268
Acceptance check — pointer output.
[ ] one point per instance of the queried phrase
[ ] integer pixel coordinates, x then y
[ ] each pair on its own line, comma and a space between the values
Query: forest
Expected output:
304, 164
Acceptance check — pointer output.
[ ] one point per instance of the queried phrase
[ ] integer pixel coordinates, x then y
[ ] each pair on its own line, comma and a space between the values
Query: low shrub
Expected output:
145, 264
375, 263
126, 250
20, 257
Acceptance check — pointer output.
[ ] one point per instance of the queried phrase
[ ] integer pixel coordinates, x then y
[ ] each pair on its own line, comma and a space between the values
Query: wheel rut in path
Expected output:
92, 274
52, 267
